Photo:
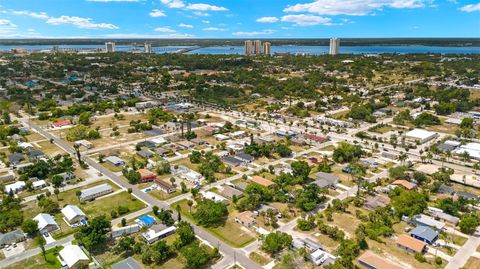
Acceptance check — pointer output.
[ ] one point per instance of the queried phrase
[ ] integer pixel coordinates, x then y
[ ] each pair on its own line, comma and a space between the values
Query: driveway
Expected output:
14, 250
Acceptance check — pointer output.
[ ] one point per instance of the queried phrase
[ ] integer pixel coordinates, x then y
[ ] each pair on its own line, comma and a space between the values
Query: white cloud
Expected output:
173, 3
206, 22
205, 7
6, 23
6, 26
183, 25
306, 20
213, 29
471, 8
36, 15
267, 19
353, 7
164, 30
157, 13
83, 23
254, 33
201, 13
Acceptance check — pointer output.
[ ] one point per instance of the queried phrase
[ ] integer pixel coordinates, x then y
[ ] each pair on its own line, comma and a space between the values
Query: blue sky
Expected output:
238, 18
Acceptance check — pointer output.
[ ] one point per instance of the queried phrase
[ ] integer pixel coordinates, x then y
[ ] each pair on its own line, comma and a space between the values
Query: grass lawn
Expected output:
51, 261
326, 241
456, 239
112, 167
230, 232
106, 205
472, 263
49, 148
382, 130
261, 259
161, 195
399, 256
328, 148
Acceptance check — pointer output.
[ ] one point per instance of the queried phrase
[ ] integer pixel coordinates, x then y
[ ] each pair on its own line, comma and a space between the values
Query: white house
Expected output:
46, 223
72, 256
213, 196
158, 232
15, 187
319, 257
73, 214
39, 184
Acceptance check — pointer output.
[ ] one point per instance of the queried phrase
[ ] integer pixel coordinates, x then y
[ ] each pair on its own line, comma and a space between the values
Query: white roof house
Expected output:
159, 141
39, 184
72, 213
72, 255
194, 177
15, 187
46, 222
221, 137
421, 135
213, 196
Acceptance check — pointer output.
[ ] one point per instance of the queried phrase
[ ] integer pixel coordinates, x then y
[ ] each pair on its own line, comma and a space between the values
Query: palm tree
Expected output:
77, 150
78, 193
190, 204
403, 157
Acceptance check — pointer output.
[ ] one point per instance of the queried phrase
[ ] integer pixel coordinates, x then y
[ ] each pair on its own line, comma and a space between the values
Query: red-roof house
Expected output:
146, 175
62, 123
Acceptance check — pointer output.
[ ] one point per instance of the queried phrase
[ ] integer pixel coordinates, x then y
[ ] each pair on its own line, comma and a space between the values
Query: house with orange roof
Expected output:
405, 184
411, 244
262, 181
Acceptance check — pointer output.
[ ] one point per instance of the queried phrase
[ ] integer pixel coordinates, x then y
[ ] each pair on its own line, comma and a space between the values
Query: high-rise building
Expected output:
110, 46
334, 46
267, 48
249, 49
148, 47
258, 47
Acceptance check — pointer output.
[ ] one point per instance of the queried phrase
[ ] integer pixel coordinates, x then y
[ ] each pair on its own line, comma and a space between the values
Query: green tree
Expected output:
210, 213
30, 227
276, 241
468, 223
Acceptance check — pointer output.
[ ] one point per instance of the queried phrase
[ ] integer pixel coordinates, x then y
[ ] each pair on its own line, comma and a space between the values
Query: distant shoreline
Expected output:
438, 42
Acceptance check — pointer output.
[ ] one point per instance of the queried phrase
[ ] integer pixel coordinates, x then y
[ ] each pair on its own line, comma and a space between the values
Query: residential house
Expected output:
115, 161
84, 143
262, 181
63, 123
214, 197
424, 220
35, 154
46, 223
128, 263
73, 214
232, 161
314, 139
246, 218
165, 186
411, 244
467, 195
146, 175
127, 230
158, 232
425, 234
146, 221
15, 187
405, 184
11, 237
94, 192
15, 158
230, 192
39, 184
325, 180
145, 153
377, 201
72, 256
247, 158
439, 214
370, 260
321, 257
147, 143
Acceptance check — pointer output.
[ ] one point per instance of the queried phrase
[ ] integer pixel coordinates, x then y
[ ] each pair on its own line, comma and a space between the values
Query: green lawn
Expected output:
105, 205
231, 232
161, 195
50, 262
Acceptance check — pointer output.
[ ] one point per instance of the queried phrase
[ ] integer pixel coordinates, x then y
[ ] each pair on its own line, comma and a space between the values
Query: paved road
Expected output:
228, 251
464, 253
